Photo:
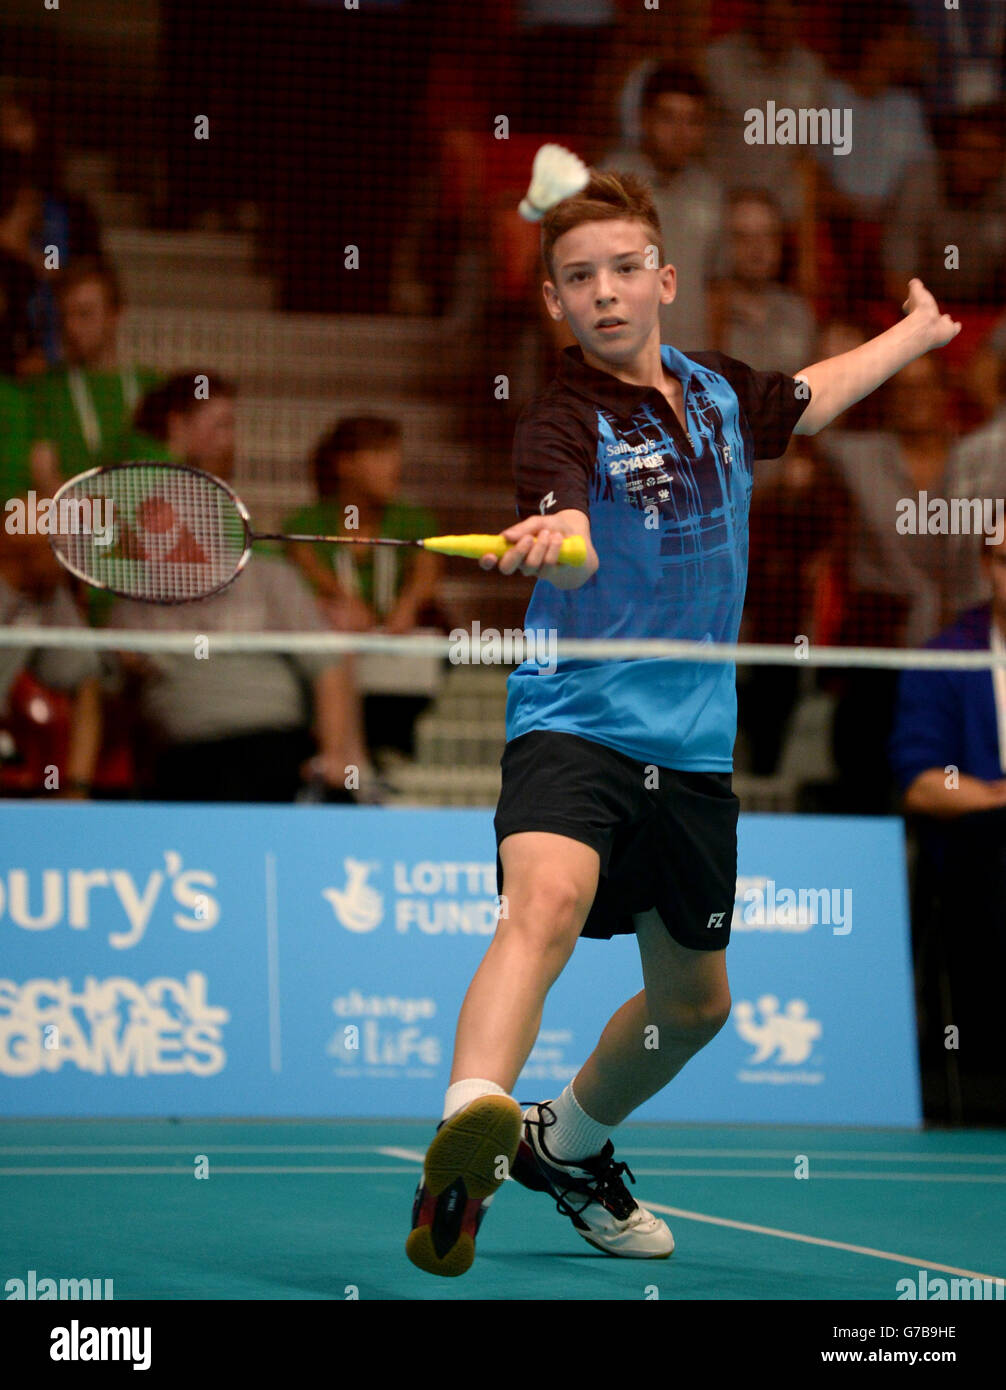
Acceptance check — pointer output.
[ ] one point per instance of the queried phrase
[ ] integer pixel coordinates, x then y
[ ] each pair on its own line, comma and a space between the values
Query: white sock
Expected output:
462, 1093
574, 1134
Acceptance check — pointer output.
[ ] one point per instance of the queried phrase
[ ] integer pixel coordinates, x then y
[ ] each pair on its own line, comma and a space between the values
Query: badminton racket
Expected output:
166, 533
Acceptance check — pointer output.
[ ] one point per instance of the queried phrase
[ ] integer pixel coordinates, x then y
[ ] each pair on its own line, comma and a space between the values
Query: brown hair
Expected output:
608, 197
177, 396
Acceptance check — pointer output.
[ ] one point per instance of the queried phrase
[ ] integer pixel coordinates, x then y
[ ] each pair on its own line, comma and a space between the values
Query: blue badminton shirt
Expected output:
669, 521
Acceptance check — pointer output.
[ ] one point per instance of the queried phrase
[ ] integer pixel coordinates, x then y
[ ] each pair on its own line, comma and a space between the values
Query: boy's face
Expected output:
609, 270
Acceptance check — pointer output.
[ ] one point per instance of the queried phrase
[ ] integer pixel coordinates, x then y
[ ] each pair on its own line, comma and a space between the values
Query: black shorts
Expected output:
666, 839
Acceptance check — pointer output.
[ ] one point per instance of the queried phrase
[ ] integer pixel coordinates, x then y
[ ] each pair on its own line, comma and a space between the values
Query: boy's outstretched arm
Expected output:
841, 381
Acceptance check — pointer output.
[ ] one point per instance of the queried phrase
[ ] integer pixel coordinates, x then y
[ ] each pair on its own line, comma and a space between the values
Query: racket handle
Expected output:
572, 552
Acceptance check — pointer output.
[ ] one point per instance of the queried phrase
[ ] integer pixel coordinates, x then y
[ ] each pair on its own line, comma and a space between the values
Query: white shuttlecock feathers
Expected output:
557, 173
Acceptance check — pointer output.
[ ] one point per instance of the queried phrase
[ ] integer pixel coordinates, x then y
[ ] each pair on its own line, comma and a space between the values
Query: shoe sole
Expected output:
622, 1254
465, 1154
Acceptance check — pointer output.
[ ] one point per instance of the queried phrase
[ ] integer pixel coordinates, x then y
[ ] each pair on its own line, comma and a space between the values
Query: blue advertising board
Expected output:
297, 960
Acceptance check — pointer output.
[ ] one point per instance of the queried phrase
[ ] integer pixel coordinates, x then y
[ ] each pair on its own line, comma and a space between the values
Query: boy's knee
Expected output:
549, 912
701, 1019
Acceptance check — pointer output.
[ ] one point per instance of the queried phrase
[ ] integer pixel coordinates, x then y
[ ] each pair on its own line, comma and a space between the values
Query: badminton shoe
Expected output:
591, 1193
470, 1157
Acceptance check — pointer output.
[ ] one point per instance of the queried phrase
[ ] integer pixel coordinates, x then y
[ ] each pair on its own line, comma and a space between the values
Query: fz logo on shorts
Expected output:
715, 920
546, 502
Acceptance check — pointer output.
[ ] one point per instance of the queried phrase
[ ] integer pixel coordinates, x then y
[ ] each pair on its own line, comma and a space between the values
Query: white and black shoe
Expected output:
590, 1192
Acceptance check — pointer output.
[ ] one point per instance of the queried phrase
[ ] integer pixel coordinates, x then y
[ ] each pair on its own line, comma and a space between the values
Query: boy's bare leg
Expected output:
549, 882
684, 1004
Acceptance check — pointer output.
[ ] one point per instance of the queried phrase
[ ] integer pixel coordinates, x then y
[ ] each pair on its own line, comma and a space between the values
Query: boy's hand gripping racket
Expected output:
166, 533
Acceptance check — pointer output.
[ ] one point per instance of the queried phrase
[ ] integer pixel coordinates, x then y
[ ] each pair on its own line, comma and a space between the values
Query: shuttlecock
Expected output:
557, 173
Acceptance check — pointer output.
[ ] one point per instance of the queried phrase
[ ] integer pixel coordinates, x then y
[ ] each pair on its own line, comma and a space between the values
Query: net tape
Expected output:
346, 643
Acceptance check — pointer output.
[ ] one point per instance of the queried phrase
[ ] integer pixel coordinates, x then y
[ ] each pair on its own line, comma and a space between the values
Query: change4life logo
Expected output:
783, 1038
382, 1035
433, 897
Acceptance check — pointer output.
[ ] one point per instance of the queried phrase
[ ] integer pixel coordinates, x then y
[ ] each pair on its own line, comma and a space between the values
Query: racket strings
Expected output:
175, 534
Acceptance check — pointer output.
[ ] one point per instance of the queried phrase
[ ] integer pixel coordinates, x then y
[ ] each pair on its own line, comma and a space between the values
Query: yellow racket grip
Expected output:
573, 550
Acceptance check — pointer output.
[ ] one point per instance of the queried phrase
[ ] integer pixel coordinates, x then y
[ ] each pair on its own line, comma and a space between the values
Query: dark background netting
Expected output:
377, 128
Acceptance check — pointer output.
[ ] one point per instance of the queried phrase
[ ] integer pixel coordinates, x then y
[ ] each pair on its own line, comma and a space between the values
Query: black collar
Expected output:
608, 391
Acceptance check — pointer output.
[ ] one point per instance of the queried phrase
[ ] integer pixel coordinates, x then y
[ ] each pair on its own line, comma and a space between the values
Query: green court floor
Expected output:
320, 1210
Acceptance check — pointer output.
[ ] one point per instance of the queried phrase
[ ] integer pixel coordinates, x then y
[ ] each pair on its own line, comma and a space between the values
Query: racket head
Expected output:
174, 534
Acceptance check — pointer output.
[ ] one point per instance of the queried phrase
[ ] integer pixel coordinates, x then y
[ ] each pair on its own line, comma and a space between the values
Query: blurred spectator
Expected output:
649, 39
966, 59
15, 441
756, 319
688, 198
84, 411
239, 727
357, 470
438, 263
747, 69
985, 376
888, 140
948, 752
893, 577
959, 203
558, 52
797, 525
20, 268
976, 469
34, 592
67, 220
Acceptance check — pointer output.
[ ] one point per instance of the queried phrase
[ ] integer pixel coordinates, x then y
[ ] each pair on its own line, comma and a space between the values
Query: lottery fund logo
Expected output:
357, 906
783, 1036
431, 897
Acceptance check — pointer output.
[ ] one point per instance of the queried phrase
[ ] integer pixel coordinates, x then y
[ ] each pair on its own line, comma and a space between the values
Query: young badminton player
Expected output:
616, 813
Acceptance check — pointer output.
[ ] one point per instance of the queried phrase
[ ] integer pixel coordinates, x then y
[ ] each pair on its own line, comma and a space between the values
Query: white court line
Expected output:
413, 1155
917, 1262
742, 1152
842, 1177
781, 1235
30, 1150
184, 1172
40, 1150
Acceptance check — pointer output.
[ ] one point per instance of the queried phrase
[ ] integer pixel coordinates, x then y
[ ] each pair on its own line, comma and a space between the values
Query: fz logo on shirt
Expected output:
715, 919
546, 502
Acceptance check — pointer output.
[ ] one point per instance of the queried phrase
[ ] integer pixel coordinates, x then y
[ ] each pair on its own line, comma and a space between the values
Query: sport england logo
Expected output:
785, 1036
